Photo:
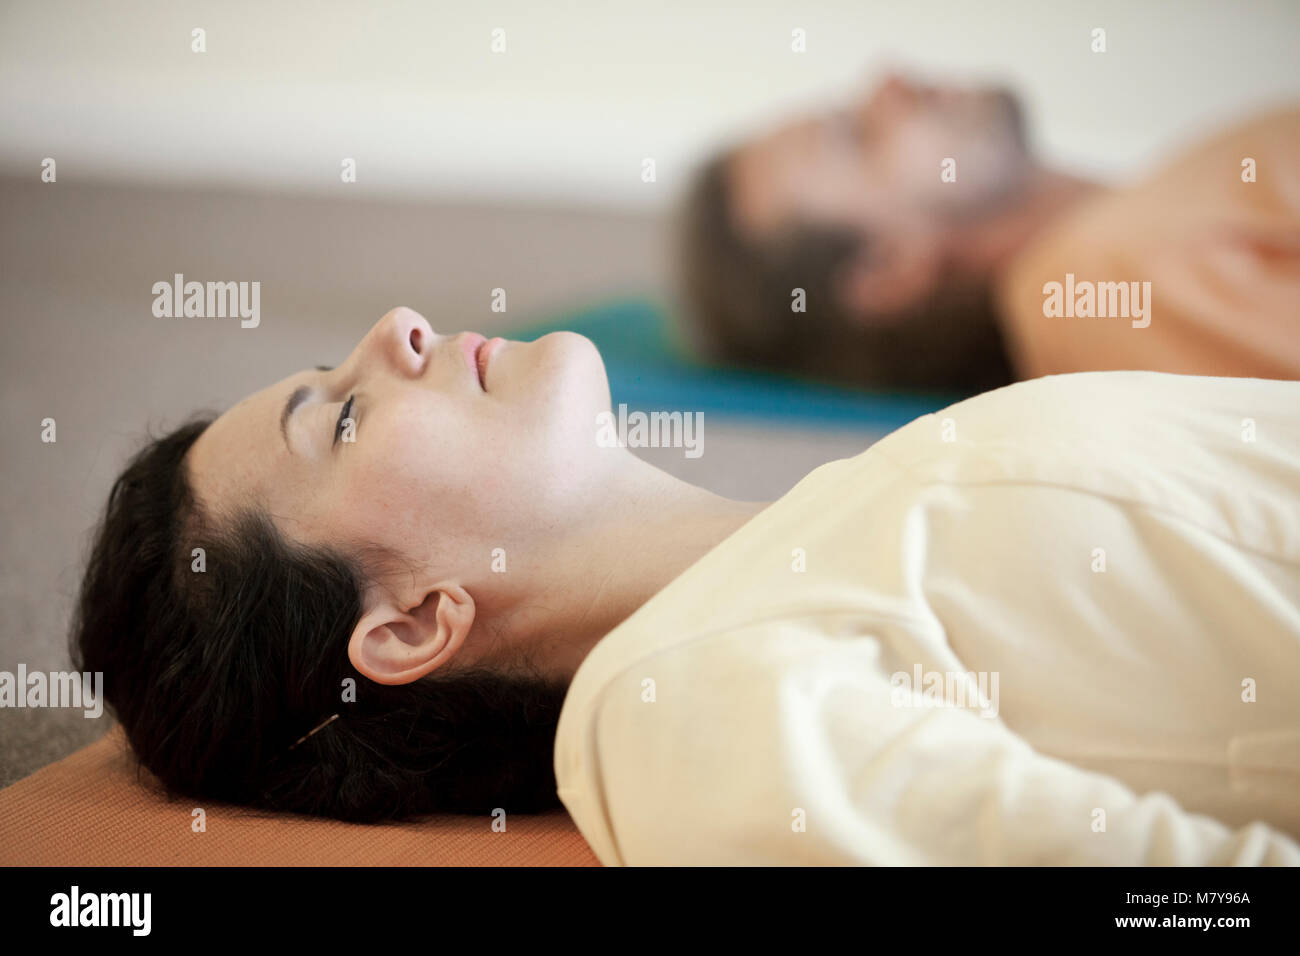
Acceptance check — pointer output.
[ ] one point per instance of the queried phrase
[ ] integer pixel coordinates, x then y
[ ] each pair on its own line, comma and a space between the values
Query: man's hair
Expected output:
214, 674
738, 291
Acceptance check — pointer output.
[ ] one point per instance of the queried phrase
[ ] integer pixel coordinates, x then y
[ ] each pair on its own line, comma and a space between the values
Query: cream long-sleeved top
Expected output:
1058, 623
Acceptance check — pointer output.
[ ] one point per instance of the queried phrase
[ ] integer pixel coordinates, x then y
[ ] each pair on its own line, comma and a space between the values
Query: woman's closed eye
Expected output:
345, 414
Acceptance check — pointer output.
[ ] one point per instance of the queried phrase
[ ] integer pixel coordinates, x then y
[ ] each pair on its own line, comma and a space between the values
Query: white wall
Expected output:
585, 90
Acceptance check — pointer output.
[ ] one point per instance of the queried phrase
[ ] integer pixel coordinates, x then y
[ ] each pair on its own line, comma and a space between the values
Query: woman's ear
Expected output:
394, 645
889, 275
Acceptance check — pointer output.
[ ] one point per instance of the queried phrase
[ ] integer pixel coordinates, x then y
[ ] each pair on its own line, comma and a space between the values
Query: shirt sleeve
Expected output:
781, 745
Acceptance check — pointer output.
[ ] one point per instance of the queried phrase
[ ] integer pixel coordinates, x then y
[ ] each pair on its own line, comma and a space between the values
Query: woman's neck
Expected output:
642, 530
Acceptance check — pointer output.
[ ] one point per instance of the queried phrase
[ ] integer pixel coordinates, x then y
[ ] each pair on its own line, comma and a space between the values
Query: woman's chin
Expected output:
572, 370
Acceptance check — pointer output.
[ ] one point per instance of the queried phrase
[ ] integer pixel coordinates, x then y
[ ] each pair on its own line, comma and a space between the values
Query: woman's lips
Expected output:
470, 343
477, 351
485, 352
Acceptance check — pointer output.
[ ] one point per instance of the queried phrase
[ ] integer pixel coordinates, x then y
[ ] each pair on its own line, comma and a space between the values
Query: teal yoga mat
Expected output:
648, 370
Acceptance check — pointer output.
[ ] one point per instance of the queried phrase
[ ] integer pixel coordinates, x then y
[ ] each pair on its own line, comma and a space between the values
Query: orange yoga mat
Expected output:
92, 809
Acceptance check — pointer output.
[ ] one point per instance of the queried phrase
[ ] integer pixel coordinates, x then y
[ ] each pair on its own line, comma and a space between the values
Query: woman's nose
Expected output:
404, 339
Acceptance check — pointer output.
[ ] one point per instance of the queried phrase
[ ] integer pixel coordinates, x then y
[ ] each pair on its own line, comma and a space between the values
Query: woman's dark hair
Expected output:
214, 674
737, 291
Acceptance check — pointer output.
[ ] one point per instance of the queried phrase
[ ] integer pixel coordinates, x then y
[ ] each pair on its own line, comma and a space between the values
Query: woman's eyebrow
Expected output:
297, 398
324, 368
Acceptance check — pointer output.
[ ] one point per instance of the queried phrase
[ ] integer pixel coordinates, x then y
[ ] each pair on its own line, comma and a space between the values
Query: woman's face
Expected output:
438, 467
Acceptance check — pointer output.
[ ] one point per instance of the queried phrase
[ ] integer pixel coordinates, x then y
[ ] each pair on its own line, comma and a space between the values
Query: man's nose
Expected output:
895, 92
894, 83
